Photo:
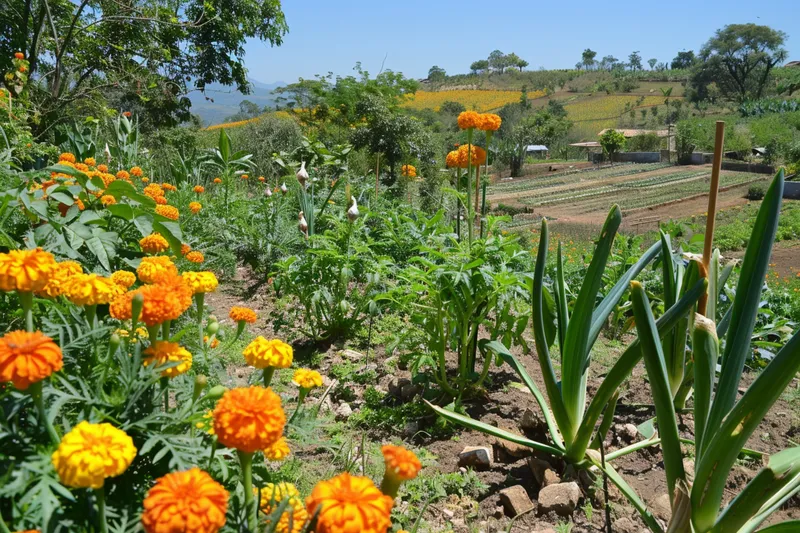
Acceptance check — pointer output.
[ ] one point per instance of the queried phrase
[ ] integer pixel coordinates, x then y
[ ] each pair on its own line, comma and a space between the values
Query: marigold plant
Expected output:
249, 419
168, 211
307, 379
294, 518
153, 269
468, 120
107, 200
199, 189
154, 243
242, 314
137, 171
57, 282
195, 257
201, 282
26, 270
263, 353
195, 207
27, 358
90, 453
278, 450
186, 502
163, 352
91, 289
349, 503
123, 278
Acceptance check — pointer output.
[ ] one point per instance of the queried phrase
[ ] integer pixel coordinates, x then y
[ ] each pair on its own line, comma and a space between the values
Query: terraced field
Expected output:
655, 192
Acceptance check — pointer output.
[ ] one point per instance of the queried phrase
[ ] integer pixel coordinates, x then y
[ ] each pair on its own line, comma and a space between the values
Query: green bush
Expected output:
756, 192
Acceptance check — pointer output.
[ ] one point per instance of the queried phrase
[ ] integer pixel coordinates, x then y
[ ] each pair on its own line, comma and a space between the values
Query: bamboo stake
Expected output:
711, 218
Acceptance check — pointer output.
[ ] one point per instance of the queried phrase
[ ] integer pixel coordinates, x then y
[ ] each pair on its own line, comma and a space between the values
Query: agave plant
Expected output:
723, 424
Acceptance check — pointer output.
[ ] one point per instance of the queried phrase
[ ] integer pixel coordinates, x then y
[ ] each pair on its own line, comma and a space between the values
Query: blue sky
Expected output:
326, 35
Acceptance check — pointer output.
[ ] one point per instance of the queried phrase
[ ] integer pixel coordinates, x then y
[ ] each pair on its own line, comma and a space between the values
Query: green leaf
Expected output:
123, 211
172, 232
122, 189
99, 249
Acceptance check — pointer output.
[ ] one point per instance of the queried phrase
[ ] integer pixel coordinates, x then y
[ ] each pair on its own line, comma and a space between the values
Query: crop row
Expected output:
574, 176
471, 99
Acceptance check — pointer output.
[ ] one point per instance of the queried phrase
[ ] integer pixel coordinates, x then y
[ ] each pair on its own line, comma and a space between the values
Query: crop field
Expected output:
476, 100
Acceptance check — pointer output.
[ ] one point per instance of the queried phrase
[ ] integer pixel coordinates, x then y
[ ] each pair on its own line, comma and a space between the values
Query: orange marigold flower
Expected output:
90, 161
168, 187
249, 419
66, 156
102, 168
400, 463
195, 207
213, 344
272, 495
245, 176
79, 203
468, 120
263, 353
242, 314
58, 280
154, 243
160, 200
178, 287
137, 171
107, 178
186, 502
126, 114
145, 180
217, 180
123, 175
90, 453
199, 189
19, 55
409, 171
468, 152
185, 249
163, 352
201, 282
123, 278
107, 200
153, 269
195, 257
349, 503
26, 270
277, 451
120, 307
154, 190
262, 179
27, 358
159, 305
489, 122
451, 161
168, 211
81, 167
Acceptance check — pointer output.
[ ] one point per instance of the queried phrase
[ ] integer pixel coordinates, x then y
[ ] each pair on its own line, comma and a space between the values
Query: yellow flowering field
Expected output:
607, 107
476, 100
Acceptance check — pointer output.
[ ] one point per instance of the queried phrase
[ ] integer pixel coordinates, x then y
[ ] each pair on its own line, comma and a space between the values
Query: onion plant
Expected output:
722, 423
571, 424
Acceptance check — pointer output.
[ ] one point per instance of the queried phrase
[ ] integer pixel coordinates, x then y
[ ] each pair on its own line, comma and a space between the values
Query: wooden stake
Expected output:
711, 218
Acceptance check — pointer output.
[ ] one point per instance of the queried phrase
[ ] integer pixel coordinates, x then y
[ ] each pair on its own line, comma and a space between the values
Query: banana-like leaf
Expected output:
659, 385
495, 431
705, 347
746, 303
790, 526
713, 286
561, 299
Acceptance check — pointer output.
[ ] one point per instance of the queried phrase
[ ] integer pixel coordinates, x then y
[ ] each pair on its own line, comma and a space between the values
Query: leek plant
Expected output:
571, 424
723, 424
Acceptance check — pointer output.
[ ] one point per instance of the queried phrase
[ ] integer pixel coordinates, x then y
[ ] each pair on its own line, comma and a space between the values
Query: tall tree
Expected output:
635, 61
479, 66
147, 54
652, 62
521, 64
497, 60
683, 60
739, 59
608, 62
436, 74
587, 58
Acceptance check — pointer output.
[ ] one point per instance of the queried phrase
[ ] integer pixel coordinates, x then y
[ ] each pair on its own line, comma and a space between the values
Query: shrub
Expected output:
756, 192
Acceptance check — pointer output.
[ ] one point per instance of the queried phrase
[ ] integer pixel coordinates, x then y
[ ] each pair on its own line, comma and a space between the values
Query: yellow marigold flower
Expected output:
91, 289
154, 243
163, 352
26, 270
123, 175
201, 281
137, 171
152, 269
272, 495
199, 189
307, 379
195, 257
123, 278
278, 451
58, 280
145, 180
349, 503
102, 168
217, 181
213, 344
262, 179
66, 156
90, 453
168, 187
400, 463
168, 211
409, 171
154, 190
195, 207
81, 167
468, 120
27, 358
249, 419
242, 314
263, 353
90, 161
489, 122
107, 200
185, 502
120, 307
108, 179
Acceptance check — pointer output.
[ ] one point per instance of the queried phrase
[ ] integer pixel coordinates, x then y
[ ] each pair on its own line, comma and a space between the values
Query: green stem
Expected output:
390, 485
38, 399
3, 526
91, 313
26, 299
165, 390
199, 300
165, 330
470, 214
300, 397
268, 373
246, 462
101, 509
152, 333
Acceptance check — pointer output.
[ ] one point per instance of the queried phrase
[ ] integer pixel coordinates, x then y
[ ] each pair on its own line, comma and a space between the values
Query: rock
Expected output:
344, 410
448, 513
498, 511
515, 500
550, 478
538, 468
511, 448
688, 467
629, 433
530, 421
352, 355
396, 386
478, 457
409, 391
411, 428
548, 530
561, 498
662, 508
625, 525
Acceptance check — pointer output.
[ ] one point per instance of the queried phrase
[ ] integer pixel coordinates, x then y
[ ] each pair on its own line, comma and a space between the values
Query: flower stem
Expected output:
246, 462
390, 485
38, 400
199, 299
152, 333
26, 299
101, 508
268, 373
165, 390
470, 220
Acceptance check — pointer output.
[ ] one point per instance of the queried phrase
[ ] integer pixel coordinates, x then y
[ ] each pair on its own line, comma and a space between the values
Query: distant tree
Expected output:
683, 60
587, 58
436, 74
249, 109
523, 98
538, 128
739, 59
521, 64
612, 142
556, 109
635, 61
652, 62
479, 66
452, 108
578, 65
661, 67
511, 60
608, 62
497, 60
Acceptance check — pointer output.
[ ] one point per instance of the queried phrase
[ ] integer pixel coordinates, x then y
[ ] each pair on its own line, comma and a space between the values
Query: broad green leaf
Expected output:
123, 211
172, 232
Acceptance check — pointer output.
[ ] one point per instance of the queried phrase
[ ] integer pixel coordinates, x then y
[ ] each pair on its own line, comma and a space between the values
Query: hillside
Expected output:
226, 100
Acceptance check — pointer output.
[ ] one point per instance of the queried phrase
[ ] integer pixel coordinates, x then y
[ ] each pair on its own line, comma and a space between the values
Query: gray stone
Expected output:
344, 410
411, 428
409, 391
478, 457
530, 421
629, 433
561, 498
515, 500
512, 448
396, 386
352, 355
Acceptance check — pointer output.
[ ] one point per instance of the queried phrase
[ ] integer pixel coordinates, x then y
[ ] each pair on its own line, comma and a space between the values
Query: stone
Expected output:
498, 511
448, 513
662, 508
409, 391
530, 421
512, 448
629, 433
396, 386
625, 525
411, 428
547, 530
550, 478
478, 457
538, 468
352, 355
344, 410
515, 500
561, 498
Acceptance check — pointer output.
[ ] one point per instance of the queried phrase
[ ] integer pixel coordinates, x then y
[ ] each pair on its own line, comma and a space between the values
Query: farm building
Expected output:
793, 64
536, 150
